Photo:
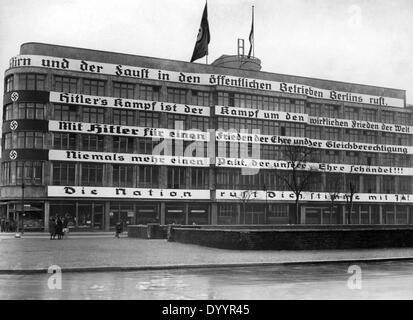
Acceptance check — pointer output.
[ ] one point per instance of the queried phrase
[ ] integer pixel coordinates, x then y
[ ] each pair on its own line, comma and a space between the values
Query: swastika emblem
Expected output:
14, 96
13, 125
13, 154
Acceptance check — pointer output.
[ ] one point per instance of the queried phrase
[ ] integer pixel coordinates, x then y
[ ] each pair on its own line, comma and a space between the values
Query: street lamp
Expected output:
23, 186
266, 203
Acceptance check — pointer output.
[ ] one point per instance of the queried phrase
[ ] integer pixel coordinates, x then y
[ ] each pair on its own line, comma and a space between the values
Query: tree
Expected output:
300, 176
334, 186
245, 197
351, 189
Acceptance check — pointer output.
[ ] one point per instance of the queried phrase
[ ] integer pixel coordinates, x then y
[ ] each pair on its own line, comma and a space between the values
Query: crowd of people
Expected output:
8, 225
58, 227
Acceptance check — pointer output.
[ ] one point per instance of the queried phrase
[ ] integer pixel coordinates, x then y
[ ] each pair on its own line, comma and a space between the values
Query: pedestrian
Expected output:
52, 228
59, 228
65, 225
7, 225
3, 225
119, 229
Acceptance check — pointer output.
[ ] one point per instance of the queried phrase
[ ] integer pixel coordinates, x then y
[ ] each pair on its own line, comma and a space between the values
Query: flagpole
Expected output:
253, 36
206, 56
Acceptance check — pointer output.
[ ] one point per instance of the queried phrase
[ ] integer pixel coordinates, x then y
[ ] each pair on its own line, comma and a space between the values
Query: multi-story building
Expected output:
103, 137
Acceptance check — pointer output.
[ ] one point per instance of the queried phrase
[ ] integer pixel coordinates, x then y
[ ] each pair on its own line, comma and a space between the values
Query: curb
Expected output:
195, 266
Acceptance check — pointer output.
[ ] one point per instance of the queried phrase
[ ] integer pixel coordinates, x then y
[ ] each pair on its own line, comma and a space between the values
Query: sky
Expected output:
359, 41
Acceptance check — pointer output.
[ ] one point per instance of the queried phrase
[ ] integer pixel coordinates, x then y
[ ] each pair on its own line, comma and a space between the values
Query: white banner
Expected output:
313, 143
122, 193
359, 124
252, 113
127, 158
127, 131
260, 195
127, 104
322, 167
260, 114
199, 78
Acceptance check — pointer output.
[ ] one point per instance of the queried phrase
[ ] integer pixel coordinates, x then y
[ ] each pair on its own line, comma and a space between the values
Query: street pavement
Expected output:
103, 250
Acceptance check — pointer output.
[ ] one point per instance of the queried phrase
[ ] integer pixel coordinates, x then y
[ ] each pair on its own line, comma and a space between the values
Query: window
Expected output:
315, 110
64, 112
331, 111
178, 121
9, 83
65, 84
388, 138
63, 173
403, 139
25, 111
388, 159
149, 92
8, 173
29, 172
200, 123
148, 177
148, 119
123, 117
332, 156
94, 87
331, 134
370, 158
404, 118
369, 115
352, 157
351, 113
123, 144
64, 141
405, 184
388, 184
91, 142
199, 178
369, 136
176, 95
200, 98
313, 132
92, 174
176, 177
124, 90
387, 116
122, 175
24, 140
93, 115
146, 145
32, 81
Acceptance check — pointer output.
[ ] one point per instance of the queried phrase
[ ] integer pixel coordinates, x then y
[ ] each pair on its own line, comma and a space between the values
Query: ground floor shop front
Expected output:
103, 215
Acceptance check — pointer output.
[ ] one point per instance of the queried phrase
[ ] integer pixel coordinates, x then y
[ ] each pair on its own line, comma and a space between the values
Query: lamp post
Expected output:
23, 186
266, 203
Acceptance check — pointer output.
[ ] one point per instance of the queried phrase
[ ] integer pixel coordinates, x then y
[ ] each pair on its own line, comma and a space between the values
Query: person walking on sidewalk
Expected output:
65, 226
59, 228
119, 229
52, 228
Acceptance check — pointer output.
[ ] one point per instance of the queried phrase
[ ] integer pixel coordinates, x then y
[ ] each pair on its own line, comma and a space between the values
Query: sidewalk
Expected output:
106, 253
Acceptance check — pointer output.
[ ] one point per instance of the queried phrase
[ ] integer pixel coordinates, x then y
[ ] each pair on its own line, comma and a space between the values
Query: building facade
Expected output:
103, 137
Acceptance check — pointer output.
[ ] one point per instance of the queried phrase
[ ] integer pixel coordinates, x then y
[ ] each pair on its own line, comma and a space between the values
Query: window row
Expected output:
26, 110
139, 176
24, 140
19, 172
